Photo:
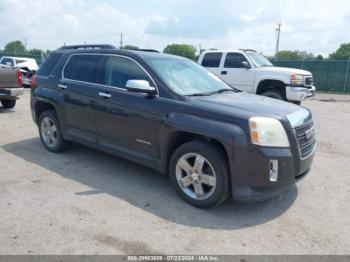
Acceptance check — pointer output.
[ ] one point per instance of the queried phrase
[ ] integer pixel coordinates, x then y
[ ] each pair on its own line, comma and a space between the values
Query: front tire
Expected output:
8, 103
276, 94
199, 173
50, 132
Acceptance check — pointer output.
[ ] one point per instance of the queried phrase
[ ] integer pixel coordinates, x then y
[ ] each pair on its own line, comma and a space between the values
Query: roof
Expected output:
22, 58
132, 53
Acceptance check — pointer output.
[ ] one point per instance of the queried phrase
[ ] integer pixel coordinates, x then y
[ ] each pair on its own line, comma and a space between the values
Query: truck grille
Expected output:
308, 81
306, 138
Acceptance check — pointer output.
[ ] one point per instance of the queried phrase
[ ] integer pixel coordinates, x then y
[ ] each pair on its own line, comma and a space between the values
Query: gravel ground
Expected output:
87, 202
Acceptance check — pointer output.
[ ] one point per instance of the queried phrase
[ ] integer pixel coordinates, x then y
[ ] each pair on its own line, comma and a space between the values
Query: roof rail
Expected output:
252, 50
148, 50
70, 47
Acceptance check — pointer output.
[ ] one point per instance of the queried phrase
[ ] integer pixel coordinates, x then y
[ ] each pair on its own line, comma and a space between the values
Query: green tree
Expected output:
15, 47
184, 50
342, 53
295, 55
130, 47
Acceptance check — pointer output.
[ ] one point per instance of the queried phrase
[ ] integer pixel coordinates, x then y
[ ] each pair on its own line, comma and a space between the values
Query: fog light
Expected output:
273, 174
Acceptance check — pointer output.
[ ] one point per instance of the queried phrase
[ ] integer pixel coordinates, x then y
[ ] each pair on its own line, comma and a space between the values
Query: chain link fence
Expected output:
329, 75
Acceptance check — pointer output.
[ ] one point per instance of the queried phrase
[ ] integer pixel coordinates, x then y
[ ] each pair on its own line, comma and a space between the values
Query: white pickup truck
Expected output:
249, 71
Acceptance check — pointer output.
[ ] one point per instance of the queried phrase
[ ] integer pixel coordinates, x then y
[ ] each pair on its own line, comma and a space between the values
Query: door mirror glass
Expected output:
140, 86
245, 64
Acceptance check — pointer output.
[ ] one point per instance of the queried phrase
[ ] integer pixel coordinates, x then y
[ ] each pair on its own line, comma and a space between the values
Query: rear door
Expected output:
235, 74
212, 61
127, 122
80, 84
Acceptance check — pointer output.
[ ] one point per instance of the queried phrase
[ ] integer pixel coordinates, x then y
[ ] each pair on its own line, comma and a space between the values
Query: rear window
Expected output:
86, 68
49, 64
212, 60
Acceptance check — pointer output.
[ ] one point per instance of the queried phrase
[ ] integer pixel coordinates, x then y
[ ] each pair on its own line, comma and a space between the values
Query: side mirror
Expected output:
140, 86
246, 65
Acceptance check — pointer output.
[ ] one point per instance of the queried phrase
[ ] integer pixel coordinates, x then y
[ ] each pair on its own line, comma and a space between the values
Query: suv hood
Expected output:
246, 105
285, 70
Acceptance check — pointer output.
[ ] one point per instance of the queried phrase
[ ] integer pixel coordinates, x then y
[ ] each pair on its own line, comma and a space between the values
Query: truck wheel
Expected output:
274, 94
297, 103
50, 132
8, 103
199, 173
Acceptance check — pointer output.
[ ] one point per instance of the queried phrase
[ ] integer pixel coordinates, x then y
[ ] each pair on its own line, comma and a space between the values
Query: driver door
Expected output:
235, 74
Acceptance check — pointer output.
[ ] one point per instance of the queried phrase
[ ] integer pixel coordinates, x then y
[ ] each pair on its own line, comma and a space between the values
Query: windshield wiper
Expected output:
213, 92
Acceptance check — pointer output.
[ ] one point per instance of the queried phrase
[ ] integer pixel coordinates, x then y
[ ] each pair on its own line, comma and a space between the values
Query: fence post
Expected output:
346, 75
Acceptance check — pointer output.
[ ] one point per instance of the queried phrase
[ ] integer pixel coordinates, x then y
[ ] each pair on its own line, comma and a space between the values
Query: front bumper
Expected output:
295, 93
251, 177
11, 92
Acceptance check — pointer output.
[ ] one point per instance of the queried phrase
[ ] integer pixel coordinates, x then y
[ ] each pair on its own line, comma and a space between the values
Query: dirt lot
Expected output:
87, 202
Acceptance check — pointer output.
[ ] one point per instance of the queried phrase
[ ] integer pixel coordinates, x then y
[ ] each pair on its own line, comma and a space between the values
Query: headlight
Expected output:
265, 131
296, 80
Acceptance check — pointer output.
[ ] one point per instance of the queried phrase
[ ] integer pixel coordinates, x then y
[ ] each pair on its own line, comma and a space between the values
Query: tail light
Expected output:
33, 81
19, 78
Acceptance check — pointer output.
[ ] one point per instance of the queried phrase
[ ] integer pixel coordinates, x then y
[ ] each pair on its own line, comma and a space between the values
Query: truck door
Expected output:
235, 74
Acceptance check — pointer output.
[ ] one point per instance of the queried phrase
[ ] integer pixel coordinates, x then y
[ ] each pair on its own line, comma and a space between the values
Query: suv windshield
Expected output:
187, 78
258, 60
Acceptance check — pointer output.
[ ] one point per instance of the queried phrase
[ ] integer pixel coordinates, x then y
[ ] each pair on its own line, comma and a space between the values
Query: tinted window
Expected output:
119, 70
234, 60
212, 60
7, 61
84, 68
49, 64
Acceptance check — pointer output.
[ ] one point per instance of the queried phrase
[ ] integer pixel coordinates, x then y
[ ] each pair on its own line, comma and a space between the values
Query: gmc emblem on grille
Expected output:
309, 134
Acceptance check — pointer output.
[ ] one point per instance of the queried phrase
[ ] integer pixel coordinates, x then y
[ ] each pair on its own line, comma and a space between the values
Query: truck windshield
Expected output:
258, 60
187, 78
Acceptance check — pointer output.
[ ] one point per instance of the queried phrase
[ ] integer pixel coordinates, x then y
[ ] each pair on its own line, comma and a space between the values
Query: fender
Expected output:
231, 136
52, 97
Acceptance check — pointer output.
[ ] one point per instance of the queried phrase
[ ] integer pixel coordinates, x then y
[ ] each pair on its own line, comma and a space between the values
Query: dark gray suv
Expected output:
169, 113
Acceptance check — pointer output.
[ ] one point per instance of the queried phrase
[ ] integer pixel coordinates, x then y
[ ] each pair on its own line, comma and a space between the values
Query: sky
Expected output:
317, 26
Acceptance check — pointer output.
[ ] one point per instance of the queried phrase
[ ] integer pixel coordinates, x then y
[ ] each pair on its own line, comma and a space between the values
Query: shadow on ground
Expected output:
144, 188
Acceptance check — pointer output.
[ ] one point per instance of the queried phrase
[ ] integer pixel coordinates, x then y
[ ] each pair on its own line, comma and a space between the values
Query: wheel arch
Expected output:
271, 84
178, 138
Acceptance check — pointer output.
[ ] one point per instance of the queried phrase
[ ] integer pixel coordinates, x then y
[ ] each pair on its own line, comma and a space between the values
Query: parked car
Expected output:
28, 67
10, 86
171, 114
251, 72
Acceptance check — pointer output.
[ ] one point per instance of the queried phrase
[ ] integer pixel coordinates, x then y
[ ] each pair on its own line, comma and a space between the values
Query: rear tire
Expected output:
273, 93
50, 132
206, 180
8, 103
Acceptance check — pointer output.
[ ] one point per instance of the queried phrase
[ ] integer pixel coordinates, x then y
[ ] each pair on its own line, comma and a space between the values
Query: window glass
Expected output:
234, 60
119, 70
7, 61
84, 68
19, 61
49, 64
212, 60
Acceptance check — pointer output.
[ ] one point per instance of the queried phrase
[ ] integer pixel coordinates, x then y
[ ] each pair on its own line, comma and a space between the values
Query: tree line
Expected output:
191, 52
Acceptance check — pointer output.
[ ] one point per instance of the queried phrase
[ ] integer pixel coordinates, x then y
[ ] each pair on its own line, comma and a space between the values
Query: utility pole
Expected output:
25, 45
278, 30
121, 40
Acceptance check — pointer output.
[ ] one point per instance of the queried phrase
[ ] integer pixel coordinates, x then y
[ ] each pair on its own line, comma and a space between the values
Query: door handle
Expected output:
62, 86
105, 95
224, 72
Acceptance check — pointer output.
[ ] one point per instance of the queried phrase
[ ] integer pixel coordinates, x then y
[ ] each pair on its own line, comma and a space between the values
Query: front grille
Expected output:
306, 138
308, 81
